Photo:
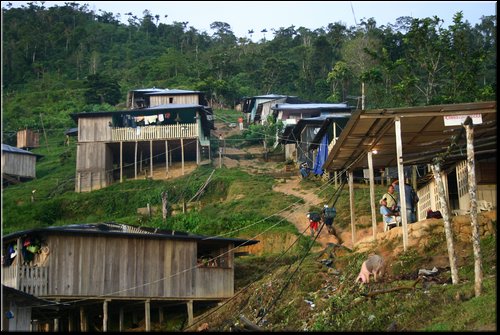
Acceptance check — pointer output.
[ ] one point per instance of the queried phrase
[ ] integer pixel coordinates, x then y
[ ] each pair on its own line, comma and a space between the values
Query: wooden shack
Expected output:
27, 139
118, 266
150, 97
17, 164
129, 144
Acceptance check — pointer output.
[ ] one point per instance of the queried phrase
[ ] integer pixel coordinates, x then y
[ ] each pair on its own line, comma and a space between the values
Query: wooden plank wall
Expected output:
27, 138
131, 267
92, 129
94, 164
178, 99
19, 164
21, 320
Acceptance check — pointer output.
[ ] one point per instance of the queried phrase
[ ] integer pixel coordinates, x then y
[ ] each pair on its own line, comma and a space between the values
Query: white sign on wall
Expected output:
458, 120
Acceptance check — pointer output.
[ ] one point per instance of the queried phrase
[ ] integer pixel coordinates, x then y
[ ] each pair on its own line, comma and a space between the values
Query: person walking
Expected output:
314, 219
329, 214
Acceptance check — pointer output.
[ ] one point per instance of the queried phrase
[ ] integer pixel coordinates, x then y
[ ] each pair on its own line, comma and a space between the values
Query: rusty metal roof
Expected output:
423, 132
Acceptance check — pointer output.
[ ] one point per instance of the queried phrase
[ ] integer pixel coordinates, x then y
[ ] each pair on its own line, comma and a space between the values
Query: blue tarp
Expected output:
322, 155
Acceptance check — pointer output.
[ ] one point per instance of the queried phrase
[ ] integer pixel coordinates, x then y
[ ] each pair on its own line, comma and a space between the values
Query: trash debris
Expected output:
428, 272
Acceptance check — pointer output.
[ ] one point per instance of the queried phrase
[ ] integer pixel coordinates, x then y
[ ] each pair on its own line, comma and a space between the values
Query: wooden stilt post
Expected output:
351, 204
151, 158
182, 154
190, 312
121, 319
166, 158
372, 193
161, 316
83, 320
121, 162
197, 152
147, 315
105, 316
135, 161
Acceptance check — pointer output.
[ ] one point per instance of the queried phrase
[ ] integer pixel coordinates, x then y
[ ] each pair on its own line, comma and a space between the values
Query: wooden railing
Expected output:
29, 279
181, 130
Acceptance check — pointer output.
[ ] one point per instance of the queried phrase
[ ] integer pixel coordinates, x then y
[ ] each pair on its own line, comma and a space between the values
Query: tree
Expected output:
101, 89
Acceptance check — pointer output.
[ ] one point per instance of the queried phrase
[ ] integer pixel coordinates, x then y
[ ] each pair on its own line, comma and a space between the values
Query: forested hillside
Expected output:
66, 59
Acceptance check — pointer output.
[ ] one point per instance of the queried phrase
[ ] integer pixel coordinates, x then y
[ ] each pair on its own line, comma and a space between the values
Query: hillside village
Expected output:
157, 177
166, 134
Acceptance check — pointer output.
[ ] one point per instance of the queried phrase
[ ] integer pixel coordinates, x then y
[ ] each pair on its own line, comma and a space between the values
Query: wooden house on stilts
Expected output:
130, 143
107, 276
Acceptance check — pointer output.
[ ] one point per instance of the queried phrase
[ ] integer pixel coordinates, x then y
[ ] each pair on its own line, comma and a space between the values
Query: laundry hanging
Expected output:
321, 156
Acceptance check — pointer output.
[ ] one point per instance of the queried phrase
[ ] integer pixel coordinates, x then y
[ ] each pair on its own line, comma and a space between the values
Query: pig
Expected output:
373, 265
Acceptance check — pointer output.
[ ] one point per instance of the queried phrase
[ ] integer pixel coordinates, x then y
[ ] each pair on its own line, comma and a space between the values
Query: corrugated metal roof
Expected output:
171, 91
11, 149
423, 133
142, 111
288, 106
112, 228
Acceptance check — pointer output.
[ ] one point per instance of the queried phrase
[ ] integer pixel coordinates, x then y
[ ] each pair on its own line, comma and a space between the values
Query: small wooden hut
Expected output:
27, 139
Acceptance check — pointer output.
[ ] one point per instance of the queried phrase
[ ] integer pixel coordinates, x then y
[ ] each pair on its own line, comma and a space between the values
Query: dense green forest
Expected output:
65, 59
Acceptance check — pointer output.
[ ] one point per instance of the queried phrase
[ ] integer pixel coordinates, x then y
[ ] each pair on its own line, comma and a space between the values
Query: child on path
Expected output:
314, 219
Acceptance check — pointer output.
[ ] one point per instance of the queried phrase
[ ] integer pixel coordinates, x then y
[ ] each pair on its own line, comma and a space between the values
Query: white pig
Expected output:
373, 265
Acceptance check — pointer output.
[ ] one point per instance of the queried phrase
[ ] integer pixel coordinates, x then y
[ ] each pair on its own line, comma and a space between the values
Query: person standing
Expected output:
240, 121
411, 199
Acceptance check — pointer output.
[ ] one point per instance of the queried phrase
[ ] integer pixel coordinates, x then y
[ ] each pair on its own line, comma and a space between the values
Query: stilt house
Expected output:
130, 143
117, 266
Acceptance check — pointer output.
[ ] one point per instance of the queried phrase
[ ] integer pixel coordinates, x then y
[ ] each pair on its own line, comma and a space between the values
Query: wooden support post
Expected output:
166, 158
121, 161
161, 316
71, 326
476, 239
445, 211
121, 319
190, 312
135, 160
105, 316
182, 154
197, 152
140, 163
151, 158
351, 205
83, 320
147, 315
372, 194
401, 177
90, 180
56, 325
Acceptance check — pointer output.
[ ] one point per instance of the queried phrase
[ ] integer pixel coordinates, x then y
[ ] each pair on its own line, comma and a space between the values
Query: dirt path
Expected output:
299, 211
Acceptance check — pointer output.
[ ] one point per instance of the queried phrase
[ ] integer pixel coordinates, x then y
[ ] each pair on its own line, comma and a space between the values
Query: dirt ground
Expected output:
298, 214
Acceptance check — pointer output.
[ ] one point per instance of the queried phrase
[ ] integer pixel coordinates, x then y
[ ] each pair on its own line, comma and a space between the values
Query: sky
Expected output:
243, 16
